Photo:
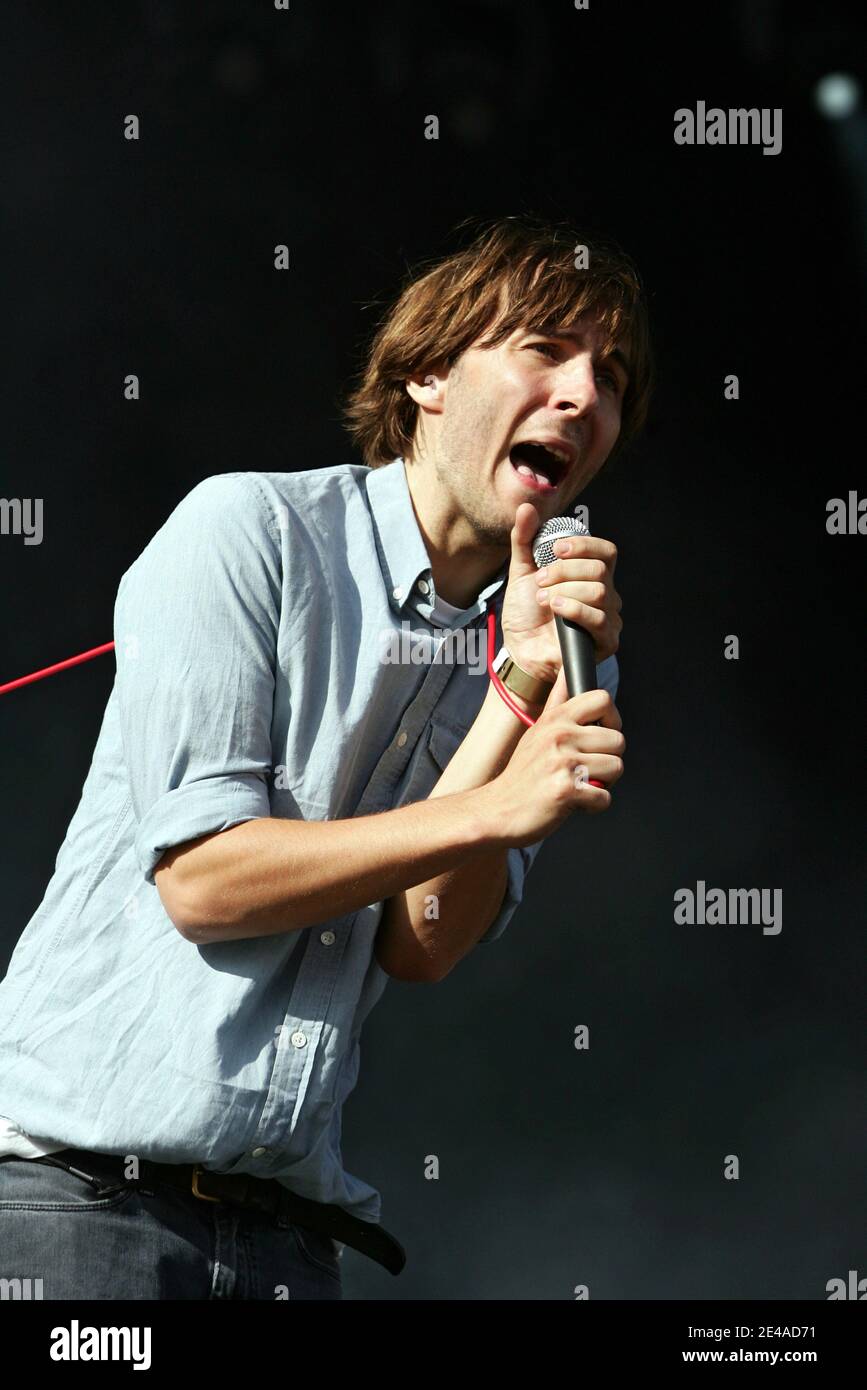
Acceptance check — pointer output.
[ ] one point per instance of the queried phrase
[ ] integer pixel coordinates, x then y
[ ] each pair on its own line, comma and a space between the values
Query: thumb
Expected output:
557, 695
526, 525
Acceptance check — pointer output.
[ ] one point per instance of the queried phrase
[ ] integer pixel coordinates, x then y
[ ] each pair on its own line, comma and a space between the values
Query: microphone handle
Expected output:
576, 646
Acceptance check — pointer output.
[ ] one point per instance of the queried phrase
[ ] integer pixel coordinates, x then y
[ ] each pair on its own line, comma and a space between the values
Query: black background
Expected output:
258, 127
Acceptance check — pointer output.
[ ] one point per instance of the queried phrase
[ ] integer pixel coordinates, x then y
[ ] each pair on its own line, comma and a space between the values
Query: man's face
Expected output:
503, 405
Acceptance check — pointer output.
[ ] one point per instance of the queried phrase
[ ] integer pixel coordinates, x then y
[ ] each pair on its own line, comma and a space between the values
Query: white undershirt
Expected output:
444, 614
14, 1141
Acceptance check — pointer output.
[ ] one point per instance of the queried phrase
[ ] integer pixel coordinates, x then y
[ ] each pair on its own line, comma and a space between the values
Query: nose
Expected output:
576, 392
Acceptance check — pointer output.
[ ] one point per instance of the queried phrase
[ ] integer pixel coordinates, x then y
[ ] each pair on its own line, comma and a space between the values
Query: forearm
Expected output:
272, 875
427, 927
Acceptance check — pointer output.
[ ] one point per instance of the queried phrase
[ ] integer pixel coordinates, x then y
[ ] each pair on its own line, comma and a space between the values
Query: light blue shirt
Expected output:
252, 679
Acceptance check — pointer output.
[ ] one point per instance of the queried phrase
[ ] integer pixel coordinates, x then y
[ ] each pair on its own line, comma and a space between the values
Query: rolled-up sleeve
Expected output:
195, 627
518, 865
520, 860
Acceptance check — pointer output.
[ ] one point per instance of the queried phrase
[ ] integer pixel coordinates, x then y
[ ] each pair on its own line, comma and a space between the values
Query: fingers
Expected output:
599, 746
559, 570
581, 590
593, 738
604, 627
589, 589
598, 767
591, 800
586, 547
587, 614
595, 706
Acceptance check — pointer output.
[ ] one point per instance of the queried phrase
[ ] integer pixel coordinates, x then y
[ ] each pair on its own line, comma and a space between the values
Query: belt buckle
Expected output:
203, 1196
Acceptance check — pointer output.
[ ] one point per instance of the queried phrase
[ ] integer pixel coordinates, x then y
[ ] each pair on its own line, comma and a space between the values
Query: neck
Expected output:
461, 562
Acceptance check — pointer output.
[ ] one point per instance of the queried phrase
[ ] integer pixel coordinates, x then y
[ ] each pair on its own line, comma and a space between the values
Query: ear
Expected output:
428, 388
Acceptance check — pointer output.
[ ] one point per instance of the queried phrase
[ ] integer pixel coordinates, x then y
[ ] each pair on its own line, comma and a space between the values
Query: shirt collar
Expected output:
403, 557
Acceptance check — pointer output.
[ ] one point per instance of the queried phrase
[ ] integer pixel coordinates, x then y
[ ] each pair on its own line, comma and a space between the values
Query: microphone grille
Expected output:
554, 530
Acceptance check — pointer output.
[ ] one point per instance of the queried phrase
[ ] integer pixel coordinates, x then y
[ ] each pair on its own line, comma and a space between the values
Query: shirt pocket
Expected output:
433, 753
442, 742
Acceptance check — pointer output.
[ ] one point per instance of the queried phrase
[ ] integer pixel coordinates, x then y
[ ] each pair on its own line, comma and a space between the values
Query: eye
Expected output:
547, 348
615, 384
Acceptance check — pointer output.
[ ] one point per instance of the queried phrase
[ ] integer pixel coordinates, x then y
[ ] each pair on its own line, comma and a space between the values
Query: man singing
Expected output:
276, 819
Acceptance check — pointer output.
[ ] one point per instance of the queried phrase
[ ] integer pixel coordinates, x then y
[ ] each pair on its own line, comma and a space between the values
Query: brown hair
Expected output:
517, 271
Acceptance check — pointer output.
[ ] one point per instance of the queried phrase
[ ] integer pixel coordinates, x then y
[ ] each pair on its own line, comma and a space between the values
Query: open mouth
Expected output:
538, 465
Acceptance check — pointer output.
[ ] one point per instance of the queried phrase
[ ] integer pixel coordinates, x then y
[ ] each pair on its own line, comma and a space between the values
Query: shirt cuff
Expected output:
198, 808
518, 863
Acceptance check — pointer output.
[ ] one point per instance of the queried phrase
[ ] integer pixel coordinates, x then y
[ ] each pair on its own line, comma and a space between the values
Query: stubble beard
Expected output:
475, 496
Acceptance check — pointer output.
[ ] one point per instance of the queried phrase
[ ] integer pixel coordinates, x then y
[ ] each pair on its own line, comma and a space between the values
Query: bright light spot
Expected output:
837, 95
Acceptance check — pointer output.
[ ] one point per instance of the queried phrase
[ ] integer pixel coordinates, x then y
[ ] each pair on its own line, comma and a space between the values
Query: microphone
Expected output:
576, 644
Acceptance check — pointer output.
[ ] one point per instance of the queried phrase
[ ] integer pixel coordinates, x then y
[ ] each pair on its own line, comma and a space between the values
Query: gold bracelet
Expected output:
520, 682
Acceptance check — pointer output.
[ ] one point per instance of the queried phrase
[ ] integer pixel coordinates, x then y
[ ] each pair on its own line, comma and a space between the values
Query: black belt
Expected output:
239, 1189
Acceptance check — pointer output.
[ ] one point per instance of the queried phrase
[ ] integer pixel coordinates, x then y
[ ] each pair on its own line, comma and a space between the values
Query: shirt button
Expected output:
259, 1153
327, 938
424, 586
398, 592
401, 740
299, 1039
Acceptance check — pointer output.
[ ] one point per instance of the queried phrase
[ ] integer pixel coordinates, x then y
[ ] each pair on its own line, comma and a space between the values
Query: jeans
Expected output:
129, 1243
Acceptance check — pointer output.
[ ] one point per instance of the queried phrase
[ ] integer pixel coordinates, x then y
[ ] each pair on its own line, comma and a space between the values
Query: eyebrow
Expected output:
614, 356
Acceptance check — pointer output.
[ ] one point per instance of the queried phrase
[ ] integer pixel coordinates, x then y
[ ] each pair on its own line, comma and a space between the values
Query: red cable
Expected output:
498, 684
109, 646
503, 692
58, 666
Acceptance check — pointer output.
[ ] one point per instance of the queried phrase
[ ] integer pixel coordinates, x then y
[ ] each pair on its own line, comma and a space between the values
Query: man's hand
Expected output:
573, 745
583, 577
